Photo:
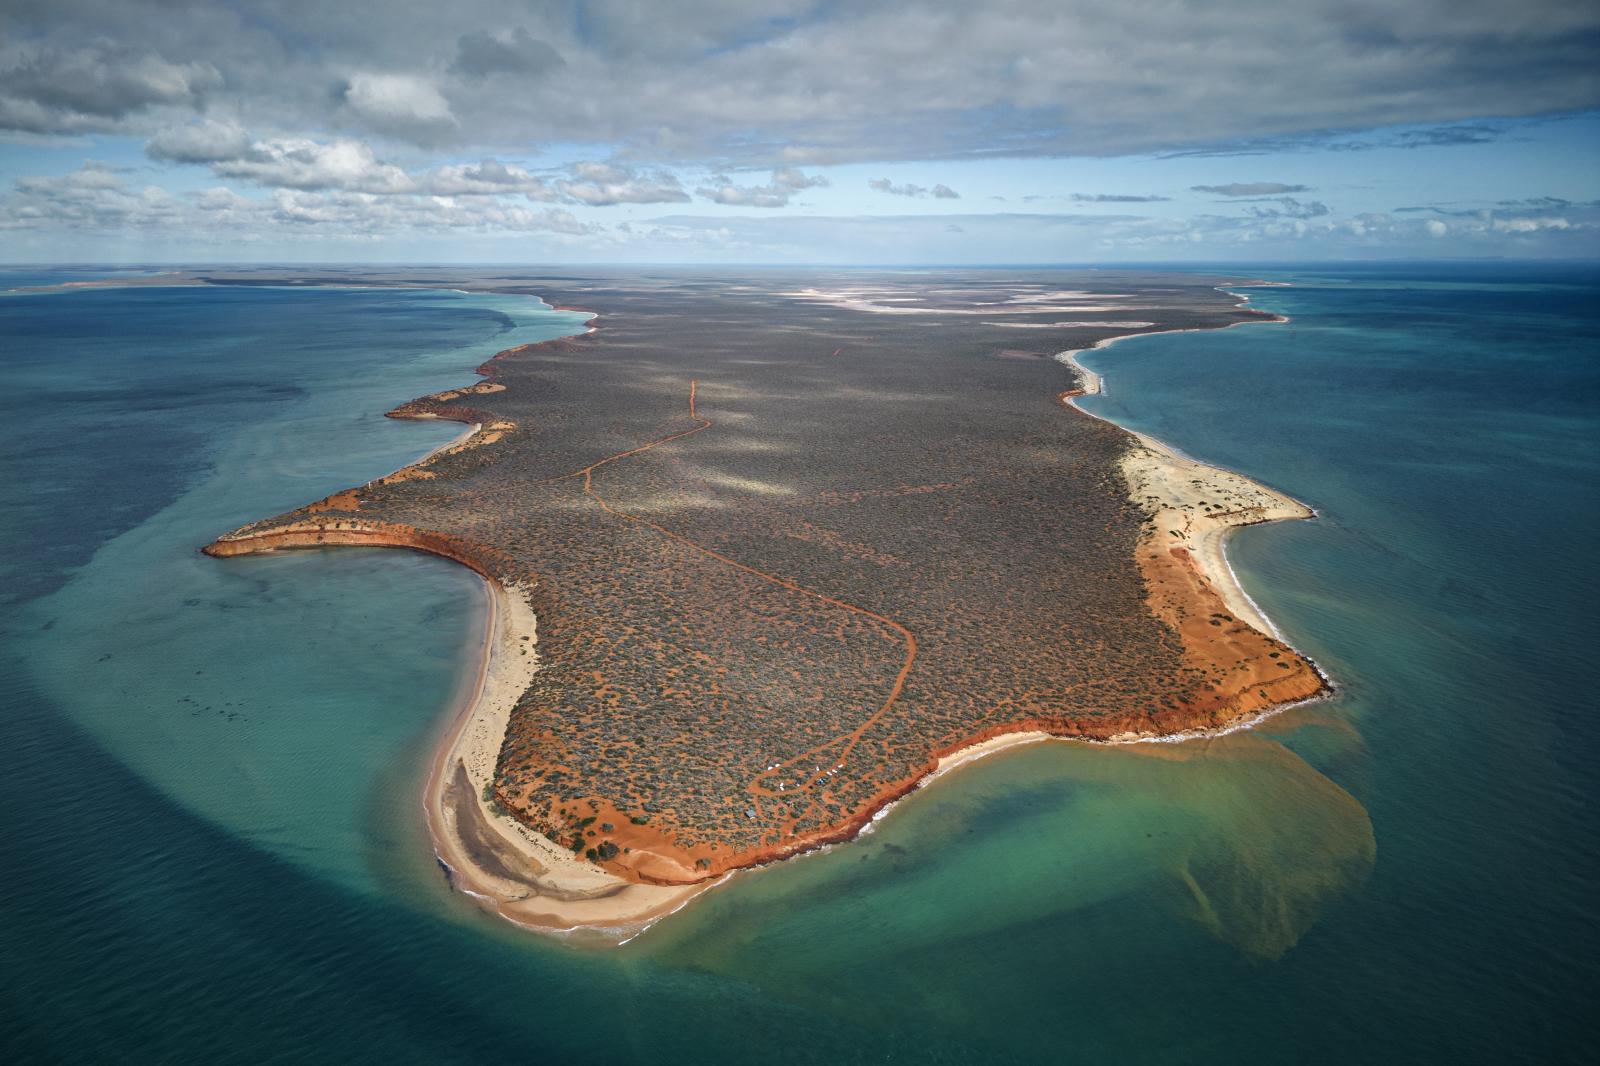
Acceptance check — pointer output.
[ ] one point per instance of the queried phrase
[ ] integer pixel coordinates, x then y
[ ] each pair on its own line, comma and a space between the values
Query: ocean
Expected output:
212, 843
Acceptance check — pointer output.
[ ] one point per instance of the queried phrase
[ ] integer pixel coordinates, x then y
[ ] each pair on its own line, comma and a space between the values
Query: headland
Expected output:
767, 552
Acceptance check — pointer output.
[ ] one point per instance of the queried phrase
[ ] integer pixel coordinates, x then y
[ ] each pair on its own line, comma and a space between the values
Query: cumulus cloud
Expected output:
1289, 207
402, 106
97, 197
91, 174
785, 183
1251, 188
299, 163
353, 166
203, 141
1530, 225
707, 82
93, 196
424, 112
604, 184
938, 192
93, 87
364, 213
487, 178
348, 165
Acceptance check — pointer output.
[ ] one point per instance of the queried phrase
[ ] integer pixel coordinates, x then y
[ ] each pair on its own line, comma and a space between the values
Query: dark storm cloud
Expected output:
763, 83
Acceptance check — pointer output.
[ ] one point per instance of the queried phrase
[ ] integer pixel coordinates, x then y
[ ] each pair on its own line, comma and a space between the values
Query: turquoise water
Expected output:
212, 843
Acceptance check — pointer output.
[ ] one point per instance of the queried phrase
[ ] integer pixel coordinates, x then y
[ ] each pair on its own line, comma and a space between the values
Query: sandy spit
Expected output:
504, 866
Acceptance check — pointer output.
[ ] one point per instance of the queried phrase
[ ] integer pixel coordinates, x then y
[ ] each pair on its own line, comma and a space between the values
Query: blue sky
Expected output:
777, 131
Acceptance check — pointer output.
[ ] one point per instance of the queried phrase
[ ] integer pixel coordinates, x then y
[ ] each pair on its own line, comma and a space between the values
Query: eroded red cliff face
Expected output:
352, 533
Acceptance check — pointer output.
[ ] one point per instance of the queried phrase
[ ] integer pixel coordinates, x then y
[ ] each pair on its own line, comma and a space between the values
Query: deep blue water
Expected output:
211, 844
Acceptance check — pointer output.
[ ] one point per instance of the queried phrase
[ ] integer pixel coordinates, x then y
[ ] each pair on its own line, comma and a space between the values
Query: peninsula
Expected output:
767, 550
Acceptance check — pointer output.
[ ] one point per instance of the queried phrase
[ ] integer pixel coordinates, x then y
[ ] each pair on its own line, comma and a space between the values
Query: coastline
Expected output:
619, 915
492, 858
521, 876
448, 446
1172, 485
1157, 464
503, 866
1153, 463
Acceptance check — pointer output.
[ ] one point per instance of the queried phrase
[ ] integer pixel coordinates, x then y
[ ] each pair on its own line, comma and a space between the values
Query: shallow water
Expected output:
213, 843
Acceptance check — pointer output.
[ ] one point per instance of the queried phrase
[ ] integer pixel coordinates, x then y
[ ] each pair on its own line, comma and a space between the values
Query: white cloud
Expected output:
938, 192
93, 196
1289, 207
299, 163
363, 212
785, 183
487, 178
604, 184
401, 106
352, 166
1530, 225
201, 141
96, 197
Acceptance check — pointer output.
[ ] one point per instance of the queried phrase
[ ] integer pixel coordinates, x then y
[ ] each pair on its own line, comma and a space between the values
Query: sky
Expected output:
768, 131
